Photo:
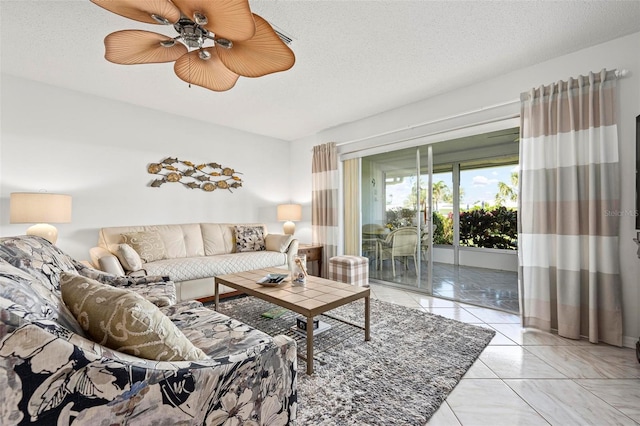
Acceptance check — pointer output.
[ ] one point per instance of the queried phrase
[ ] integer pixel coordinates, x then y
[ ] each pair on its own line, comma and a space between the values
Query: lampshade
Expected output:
41, 208
289, 213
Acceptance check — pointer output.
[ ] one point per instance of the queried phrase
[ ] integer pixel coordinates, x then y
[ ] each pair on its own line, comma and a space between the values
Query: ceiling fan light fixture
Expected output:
192, 33
243, 43
200, 19
230, 19
223, 42
160, 19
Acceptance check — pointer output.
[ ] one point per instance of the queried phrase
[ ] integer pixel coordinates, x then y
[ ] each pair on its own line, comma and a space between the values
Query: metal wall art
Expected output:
207, 176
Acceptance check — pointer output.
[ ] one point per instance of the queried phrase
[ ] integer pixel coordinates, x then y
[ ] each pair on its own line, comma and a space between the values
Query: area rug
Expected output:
400, 377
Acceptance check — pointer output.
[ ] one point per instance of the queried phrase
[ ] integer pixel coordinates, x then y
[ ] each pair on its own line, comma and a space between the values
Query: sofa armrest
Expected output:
52, 376
117, 280
159, 290
106, 261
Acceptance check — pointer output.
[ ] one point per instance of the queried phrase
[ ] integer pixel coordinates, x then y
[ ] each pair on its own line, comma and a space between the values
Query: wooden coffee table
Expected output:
319, 295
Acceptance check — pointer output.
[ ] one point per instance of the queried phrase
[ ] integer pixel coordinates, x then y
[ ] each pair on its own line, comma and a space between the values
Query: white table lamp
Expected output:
289, 213
40, 208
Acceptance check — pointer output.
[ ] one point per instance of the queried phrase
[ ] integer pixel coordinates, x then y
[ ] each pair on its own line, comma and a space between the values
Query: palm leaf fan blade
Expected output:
129, 47
142, 10
230, 19
208, 73
263, 54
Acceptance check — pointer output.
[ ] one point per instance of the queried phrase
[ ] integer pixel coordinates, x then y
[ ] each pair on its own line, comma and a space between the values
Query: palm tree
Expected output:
508, 191
411, 202
448, 197
441, 192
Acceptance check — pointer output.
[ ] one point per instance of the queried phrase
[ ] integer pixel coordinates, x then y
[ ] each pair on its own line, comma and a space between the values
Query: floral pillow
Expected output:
149, 245
123, 320
249, 238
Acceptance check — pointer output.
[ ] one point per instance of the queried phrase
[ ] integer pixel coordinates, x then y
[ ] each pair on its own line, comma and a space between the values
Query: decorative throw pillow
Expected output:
249, 238
278, 242
124, 321
148, 244
128, 257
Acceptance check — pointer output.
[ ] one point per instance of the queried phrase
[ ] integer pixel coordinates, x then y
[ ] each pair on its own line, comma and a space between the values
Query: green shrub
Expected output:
442, 228
496, 228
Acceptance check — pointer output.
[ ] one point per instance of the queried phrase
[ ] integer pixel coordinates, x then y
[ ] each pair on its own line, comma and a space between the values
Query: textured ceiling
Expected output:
353, 58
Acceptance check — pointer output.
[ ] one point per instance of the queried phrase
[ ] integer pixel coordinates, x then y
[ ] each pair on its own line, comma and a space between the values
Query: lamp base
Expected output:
289, 228
44, 230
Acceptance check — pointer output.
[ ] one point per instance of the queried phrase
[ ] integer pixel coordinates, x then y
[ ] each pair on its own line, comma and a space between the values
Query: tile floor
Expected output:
528, 377
477, 286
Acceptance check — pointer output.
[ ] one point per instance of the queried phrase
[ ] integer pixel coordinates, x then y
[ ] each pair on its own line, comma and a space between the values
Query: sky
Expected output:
479, 185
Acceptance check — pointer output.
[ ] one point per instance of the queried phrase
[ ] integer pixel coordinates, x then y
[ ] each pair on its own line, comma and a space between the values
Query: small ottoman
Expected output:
352, 270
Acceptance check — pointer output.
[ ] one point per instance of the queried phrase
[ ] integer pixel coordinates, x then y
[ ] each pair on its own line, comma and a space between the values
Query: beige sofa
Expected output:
193, 254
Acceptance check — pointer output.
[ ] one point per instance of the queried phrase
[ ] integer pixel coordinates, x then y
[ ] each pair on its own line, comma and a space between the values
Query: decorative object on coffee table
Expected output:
299, 270
205, 176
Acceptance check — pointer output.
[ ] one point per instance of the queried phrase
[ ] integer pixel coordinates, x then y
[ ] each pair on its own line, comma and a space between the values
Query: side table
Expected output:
314, 254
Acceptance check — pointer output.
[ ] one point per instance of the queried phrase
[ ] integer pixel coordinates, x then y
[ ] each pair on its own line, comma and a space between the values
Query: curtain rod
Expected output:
621, 73
618, 73
438, 120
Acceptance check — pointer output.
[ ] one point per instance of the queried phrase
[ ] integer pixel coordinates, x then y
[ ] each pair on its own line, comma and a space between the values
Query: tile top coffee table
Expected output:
318, 296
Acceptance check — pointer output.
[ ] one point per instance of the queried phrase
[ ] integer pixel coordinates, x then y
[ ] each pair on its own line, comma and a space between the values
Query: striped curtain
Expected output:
351, 185
324, 201
569, 199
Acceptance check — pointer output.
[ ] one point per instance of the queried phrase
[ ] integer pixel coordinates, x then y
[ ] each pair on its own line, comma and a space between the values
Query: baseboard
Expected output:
629, 342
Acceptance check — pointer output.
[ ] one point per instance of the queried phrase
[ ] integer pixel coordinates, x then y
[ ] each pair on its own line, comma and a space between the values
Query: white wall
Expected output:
620, 53
98, 150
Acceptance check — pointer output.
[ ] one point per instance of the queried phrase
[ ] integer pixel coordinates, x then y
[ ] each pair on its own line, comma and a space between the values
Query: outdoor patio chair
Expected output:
400, 244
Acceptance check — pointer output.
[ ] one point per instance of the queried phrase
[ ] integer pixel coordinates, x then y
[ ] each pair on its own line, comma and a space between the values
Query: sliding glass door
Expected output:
440, 218
396, 212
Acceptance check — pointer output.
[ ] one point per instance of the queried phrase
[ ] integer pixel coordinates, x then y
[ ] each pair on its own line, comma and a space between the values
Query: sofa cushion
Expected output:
249, 238
124, 321
218, 238
277, 242
148, 244
215, 333
175, 238
193, 268
128, 257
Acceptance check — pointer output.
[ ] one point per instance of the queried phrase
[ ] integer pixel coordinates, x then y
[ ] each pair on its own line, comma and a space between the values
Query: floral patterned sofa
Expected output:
52, 373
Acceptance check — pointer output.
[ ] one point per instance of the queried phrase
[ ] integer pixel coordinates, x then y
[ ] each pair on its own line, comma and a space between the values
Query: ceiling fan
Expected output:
242, 43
